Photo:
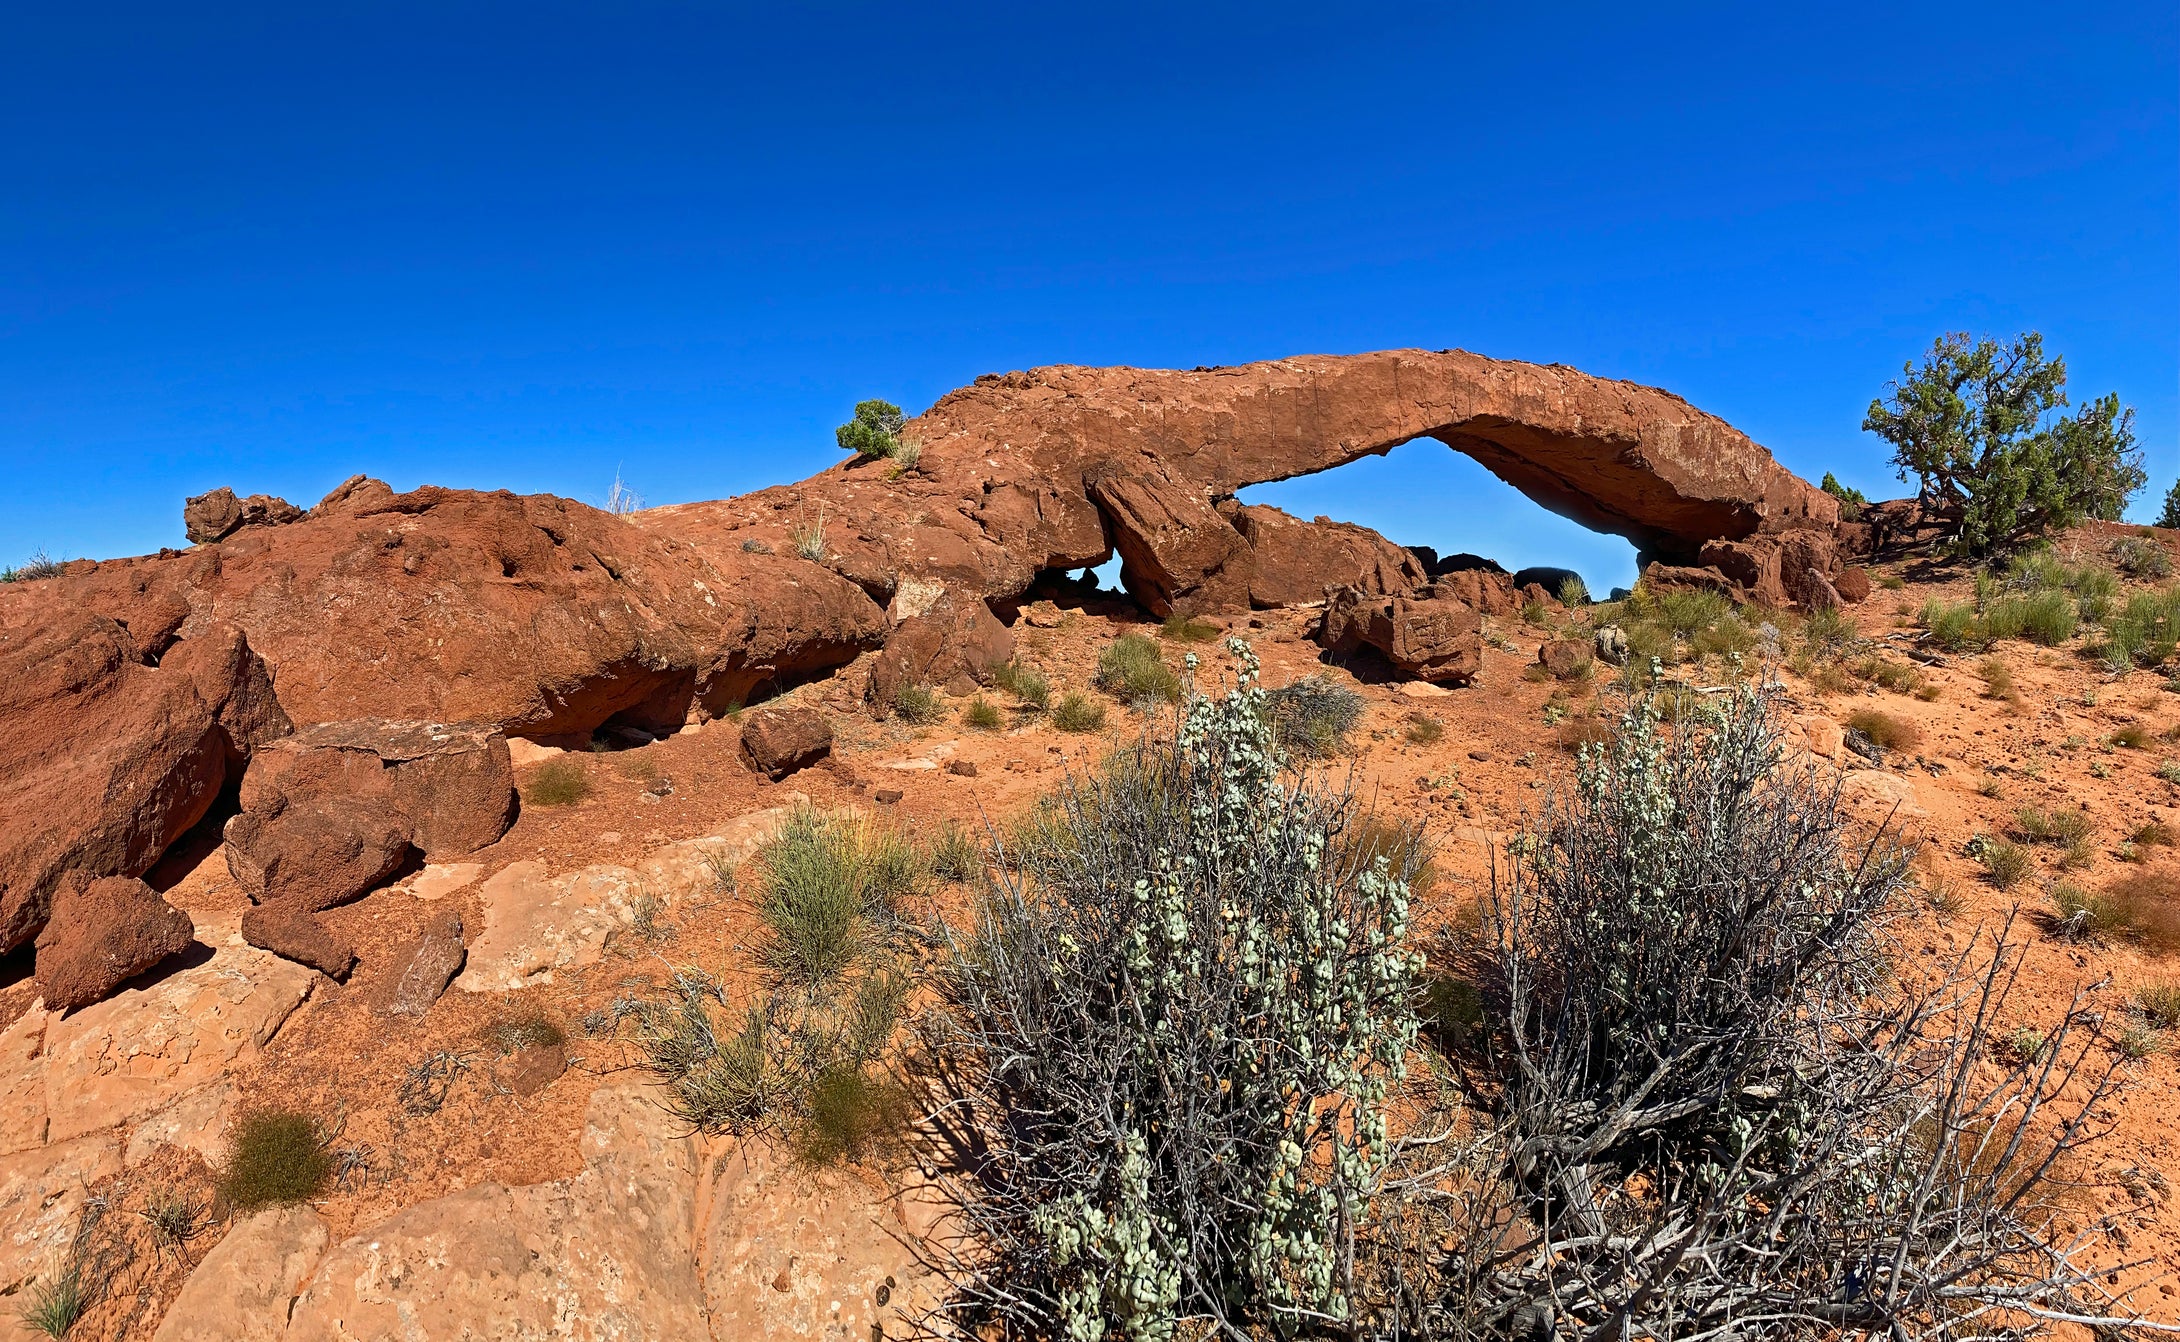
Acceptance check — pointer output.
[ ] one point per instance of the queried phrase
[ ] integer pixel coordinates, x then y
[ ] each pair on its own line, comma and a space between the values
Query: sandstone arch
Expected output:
1156, 450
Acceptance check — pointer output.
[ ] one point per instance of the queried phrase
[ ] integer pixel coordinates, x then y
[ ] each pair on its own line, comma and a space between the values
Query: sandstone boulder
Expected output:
219, 514
1565, 658
1177, 555
244, 1287
778, 741
101, 934
105, 760
1294, 562
1434, 639
452, 786
1492, 593
955, 637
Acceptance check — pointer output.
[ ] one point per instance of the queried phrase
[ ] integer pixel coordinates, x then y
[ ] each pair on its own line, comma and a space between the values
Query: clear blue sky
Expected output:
523, 245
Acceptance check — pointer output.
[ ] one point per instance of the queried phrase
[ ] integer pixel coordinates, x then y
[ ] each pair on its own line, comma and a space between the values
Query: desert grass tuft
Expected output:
1025, 683
919, 704
275, 1157
1132, 669
1423, 730
2006, 862
562, 781
1885, 729
1188, 629
852, 1115
1078, 712
982, 715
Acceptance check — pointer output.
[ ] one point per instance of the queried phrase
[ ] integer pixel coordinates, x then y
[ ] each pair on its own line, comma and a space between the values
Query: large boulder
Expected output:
105, 760
1424, 635
334, 810
101, 934
780, 740
956, 642
1177, 554
215, 516
1295, 562
451, 784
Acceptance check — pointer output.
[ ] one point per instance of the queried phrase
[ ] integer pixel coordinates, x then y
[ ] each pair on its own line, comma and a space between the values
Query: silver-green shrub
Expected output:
1173, 1030
1702, 1106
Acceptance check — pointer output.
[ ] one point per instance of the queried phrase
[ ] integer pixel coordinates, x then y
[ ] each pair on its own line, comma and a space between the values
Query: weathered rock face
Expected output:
335, 809
955, 644
778, 741
1428, 636
1295, 562
243, 1289
102, 934
104, 762
219, 514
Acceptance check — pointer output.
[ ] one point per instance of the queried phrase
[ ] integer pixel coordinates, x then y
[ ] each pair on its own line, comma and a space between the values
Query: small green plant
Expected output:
806, 537
1423, 730
2046, 617
2079, 915
982, 715
275, 1157
2141, 559
1849, 497
1537, 613
174, 1215
907, 454
2130, 737
890, 869
1573, 591
2160, 1004
1997, 678
56, 1303
851, 1114
1078, 712
560, 781
2005, 861
1952, 625
2059, 827
513, 1031
1131, 669
1188, 629
1025, 683
2168, 771
1891, 582
1944, 898
955, 854
1991, 787
2026, 1045
812, 897
39, 565
874, 432
1885, 729
918, 704
2136, 1042
2153, 834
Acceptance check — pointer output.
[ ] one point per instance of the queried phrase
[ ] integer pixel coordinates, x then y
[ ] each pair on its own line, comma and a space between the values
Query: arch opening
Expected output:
1422, 493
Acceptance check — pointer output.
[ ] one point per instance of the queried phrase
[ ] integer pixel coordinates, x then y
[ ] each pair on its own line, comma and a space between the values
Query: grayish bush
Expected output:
1702, 1107
1167, 1044
1313, 715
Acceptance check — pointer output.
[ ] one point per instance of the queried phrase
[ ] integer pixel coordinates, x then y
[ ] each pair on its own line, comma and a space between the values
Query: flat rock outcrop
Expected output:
1294, 562
600, 1256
